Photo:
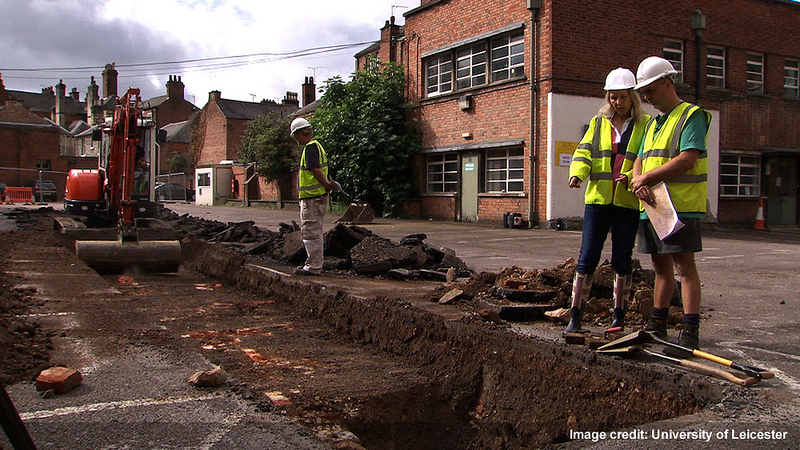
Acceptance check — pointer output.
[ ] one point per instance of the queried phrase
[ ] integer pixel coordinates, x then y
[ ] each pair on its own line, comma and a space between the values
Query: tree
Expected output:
364, 128
267, 142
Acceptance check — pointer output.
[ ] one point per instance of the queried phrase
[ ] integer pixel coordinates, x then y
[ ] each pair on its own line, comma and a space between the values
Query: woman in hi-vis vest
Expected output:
605, 158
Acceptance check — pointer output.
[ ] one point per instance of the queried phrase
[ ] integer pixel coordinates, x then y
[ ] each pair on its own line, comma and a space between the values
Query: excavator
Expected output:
108, 196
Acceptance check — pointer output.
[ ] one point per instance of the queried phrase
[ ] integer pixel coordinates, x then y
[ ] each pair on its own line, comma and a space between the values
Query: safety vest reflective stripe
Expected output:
593, 159
689, 190
308, 185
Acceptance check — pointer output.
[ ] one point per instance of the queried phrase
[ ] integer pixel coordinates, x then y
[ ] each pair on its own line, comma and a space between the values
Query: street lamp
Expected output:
698, 25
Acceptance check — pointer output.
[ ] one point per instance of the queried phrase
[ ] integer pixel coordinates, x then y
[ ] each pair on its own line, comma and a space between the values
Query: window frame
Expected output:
755, 86
441, 60
518, 156
791, 72
445, 159
43, 164
203, 179
741, 189
514, 69
715, 73
474, 71
674, 53
511, 40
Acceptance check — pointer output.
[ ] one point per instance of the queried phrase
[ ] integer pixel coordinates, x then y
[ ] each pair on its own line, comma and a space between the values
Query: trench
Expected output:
483, 387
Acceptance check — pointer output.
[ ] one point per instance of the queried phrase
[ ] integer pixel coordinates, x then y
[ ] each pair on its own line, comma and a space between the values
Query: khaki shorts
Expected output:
687, 239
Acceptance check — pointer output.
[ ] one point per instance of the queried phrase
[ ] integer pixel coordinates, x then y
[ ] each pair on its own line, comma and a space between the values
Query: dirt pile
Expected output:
551, 289
350, 248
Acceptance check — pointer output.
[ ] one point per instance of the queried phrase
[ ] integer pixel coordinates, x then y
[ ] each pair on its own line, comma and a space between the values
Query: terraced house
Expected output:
503, 91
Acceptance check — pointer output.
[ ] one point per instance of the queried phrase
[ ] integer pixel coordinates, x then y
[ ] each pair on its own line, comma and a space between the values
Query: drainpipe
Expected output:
698, 25
534, 6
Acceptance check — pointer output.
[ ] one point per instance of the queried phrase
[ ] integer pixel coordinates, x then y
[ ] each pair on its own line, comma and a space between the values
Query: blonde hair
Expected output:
637, 112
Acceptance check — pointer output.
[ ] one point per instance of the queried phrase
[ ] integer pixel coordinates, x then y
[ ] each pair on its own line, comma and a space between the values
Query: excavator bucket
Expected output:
117, 256
357, 213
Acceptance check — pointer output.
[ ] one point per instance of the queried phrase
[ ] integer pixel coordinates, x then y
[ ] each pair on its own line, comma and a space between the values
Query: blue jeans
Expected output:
597, 221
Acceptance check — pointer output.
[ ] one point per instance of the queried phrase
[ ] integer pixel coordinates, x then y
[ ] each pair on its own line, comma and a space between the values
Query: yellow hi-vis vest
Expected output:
688, 191
593, 159
309, 186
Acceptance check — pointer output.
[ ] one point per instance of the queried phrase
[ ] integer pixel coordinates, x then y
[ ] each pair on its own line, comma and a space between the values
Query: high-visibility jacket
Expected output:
309, 186
593, 160
688, 191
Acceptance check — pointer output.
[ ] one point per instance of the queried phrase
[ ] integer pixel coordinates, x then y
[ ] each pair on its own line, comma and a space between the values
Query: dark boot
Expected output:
618, 314
657, 326
689, 338
581, 285
574, 320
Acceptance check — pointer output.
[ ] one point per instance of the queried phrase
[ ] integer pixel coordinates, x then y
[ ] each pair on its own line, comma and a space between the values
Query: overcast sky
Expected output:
72, 40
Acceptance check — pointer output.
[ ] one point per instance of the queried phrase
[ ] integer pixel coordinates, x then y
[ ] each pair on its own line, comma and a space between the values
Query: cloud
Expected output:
81, 33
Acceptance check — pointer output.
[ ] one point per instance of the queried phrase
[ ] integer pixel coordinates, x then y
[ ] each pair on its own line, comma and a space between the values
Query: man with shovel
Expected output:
314, 185
673, 151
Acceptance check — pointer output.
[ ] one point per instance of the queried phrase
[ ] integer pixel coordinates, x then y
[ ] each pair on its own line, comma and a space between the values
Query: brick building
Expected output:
218, 137
503, 91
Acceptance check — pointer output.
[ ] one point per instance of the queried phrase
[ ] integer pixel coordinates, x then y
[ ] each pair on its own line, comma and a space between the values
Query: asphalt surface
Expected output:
750, 305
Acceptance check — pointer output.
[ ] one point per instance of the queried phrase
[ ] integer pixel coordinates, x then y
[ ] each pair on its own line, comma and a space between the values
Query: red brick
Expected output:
59, 379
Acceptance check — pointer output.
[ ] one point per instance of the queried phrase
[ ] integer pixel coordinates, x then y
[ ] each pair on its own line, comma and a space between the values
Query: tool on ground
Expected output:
112, 195
644, 337
696, 366
357, 213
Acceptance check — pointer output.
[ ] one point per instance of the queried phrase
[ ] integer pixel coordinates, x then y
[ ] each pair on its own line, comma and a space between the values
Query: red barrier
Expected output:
18, 194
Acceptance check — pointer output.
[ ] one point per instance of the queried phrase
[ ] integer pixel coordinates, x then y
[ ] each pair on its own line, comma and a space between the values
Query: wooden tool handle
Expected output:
763, 374
708, 370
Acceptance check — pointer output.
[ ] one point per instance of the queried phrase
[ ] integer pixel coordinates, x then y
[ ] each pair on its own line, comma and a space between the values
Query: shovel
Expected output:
696, 366
644, 337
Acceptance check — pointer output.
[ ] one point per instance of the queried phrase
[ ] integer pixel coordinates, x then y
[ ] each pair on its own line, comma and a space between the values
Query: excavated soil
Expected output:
397, 372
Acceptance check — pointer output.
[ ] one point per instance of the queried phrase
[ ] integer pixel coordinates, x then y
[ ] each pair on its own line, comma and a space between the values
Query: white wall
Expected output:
567, 117
204, 195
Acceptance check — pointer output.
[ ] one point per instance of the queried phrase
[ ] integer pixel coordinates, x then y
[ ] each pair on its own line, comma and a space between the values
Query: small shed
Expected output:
213, 183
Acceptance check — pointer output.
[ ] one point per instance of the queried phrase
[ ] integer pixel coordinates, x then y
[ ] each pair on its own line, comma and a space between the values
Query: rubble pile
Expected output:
348, 248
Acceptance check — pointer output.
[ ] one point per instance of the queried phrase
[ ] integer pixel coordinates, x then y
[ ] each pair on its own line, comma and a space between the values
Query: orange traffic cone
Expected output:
759, 223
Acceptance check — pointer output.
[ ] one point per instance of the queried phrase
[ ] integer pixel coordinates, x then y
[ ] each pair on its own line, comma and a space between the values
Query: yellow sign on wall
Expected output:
564, 150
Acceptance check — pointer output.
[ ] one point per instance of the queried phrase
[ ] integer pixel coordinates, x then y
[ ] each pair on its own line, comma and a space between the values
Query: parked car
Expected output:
173, 192
44, 191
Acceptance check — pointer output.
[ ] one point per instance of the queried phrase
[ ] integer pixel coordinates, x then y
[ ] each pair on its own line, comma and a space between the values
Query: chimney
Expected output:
175, 88
75, 95
60, 116
214, 96
91, 101
388, 46
291, 99
309, 91
110, 81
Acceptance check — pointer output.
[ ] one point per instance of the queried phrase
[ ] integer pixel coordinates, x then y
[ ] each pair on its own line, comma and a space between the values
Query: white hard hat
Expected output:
620, 79
652, 69
298, 124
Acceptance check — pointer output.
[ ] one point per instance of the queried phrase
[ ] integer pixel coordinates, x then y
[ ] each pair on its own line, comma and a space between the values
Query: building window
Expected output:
504, 59
673, 52
740, 175
203, 179
508, 57
505, 170
471, 67
755, 73
42, 164
440, 74
715, 67
791, 80
443, 173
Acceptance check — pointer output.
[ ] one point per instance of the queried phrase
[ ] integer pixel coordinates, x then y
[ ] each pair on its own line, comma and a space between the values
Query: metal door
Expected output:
469, 187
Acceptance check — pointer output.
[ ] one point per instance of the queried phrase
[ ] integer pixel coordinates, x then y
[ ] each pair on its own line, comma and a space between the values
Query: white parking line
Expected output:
70, 410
